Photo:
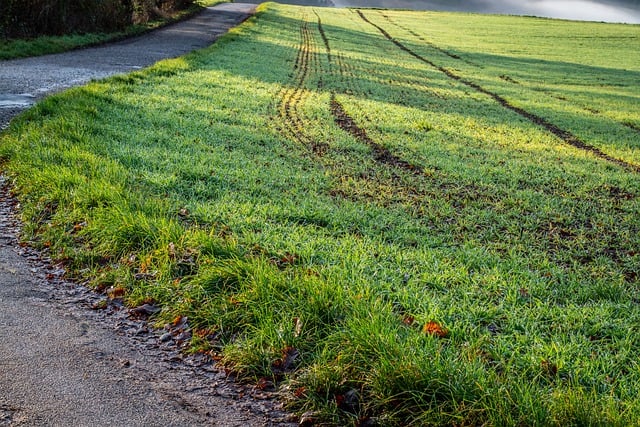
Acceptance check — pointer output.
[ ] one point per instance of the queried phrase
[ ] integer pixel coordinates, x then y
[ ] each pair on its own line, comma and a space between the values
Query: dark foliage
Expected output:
30, 18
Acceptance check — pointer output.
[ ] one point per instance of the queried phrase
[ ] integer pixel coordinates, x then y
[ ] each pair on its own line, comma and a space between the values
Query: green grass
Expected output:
44, 45
459, 265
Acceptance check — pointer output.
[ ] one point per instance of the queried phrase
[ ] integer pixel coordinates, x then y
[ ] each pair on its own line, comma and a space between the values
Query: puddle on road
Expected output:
16, 100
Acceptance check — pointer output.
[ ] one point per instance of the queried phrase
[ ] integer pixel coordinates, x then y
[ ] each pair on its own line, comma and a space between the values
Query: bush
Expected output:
30, 18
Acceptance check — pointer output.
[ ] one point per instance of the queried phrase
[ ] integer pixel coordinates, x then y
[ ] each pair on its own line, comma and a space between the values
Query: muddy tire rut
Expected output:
398, 182
563, 134
291, 98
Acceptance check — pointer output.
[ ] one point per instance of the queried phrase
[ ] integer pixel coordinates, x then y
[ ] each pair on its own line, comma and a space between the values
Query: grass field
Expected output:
395, 218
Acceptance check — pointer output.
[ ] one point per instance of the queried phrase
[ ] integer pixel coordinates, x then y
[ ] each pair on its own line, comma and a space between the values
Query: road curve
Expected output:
24, 81
62, 363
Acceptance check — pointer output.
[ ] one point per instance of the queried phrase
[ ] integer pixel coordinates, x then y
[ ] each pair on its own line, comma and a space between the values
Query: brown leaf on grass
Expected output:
300, 392
116, 292
524, 293
144, 265
171, 250
435, 329
285, 260
203, 333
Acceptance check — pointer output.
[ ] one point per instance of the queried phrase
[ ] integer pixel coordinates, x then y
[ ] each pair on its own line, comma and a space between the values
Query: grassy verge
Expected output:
342, 206
18, 48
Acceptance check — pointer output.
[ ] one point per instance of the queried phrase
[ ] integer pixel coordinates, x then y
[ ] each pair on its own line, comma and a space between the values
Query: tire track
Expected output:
404, 191
504, 77
583, 107
291, 98
563, 134
325, 40
380, 153
405, 184
430, 44
632, 126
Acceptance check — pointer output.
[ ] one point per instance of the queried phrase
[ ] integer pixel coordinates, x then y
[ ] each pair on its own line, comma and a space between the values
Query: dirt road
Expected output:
63, 363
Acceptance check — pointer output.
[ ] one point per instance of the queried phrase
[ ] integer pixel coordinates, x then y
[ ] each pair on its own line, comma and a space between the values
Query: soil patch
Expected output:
380, 153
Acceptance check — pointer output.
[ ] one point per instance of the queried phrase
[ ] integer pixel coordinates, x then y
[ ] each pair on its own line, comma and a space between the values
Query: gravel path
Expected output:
64, 363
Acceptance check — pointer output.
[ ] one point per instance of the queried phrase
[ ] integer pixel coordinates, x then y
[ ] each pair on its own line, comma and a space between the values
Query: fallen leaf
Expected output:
179, 321
116, 292
145, 264
264, 384
203, 333
434, 328
286, 260
300, 392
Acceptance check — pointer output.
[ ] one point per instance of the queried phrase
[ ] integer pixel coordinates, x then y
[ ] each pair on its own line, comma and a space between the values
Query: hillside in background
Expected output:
623, 11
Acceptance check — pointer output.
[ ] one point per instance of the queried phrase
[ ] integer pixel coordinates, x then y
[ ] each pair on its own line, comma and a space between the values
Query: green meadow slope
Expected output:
401, 218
